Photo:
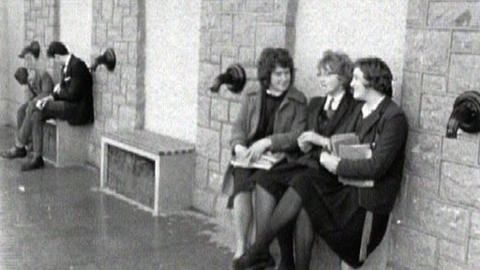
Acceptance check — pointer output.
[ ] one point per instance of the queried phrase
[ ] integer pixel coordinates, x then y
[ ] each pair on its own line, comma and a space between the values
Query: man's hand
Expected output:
40, 103
329, 161
57, 88
258, 148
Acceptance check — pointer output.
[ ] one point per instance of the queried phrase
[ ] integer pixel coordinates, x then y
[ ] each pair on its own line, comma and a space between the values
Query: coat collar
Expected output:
292, 94
374, 117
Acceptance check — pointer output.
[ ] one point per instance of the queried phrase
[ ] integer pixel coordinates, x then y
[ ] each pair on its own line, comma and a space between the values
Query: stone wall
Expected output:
438, 216
119, 96
42, 23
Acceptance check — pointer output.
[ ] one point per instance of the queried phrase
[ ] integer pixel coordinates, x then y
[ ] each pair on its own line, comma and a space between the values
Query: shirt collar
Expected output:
69, 57
335, 99
367, 110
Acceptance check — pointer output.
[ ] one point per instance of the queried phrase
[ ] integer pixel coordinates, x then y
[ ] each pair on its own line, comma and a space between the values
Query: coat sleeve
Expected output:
288, 141
73, 92
390, 141
239, 128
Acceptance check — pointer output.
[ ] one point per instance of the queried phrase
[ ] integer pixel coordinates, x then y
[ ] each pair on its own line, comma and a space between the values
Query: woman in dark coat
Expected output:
270, 119
336, 211
326, 115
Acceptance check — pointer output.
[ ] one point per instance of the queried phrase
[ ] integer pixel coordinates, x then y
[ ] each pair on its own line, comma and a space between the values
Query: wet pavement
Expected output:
55, 219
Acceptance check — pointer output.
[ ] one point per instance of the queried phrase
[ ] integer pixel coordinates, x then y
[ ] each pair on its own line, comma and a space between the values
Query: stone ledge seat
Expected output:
65, 145
152, 171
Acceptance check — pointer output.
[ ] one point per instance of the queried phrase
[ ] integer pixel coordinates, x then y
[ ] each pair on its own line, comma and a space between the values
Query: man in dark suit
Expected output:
71, 100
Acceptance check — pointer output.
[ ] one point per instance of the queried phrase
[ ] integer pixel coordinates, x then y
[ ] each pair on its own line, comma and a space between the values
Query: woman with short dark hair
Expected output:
337, 211
270, 119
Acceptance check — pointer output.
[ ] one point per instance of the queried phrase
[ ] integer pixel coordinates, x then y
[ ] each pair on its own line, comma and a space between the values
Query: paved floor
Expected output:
54, 219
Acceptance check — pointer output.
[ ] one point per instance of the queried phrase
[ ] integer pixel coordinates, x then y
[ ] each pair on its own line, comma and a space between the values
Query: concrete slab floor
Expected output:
54, 219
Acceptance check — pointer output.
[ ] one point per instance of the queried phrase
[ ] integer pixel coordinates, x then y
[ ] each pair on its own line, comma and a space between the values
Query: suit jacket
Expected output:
76, 90
337, 122
386, 130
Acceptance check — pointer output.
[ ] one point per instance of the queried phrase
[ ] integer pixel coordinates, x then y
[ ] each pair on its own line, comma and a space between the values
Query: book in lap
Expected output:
265, 162
347, 146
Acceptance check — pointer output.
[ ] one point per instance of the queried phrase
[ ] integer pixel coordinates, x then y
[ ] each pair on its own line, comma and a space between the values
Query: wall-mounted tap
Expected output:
234, 77
108, 58
465, 114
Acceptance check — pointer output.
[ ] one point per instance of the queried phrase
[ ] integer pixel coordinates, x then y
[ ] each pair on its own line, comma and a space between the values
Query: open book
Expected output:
347, 146
265, 162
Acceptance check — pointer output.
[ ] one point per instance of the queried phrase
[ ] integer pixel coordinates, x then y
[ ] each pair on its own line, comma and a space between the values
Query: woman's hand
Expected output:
258, 148
329, 161
312, 138
240, 150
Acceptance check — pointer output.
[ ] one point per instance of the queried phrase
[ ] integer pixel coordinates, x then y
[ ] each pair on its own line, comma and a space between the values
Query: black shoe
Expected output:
253, 260
14, 152
33, 164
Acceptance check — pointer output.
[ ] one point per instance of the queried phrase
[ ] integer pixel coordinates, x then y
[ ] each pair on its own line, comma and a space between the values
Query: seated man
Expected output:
71, 100
39, 84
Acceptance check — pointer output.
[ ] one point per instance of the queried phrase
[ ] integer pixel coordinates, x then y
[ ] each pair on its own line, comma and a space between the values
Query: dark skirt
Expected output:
332, 207
242, 182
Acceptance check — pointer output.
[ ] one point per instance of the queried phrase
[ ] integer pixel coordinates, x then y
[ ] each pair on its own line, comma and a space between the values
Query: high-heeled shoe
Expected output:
253, 259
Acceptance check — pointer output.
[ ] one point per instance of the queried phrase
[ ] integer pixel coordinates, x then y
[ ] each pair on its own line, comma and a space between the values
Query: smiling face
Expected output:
329, 83
280, 79
359, 84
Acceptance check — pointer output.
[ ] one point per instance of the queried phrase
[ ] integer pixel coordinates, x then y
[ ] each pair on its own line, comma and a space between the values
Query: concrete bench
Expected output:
151, 171
65, 145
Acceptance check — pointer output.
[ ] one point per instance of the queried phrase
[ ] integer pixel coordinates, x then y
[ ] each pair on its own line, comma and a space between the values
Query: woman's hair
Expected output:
270, 58
377, 73
338, 63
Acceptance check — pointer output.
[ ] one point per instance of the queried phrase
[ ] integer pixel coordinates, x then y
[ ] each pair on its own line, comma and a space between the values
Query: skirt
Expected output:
331, 206
242, 182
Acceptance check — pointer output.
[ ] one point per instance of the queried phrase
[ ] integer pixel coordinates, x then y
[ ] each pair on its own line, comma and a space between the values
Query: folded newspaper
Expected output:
265, 162
347, 146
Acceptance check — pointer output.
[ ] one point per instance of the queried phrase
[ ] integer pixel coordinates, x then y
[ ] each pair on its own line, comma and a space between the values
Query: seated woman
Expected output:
336, 211
270, 118
326, 115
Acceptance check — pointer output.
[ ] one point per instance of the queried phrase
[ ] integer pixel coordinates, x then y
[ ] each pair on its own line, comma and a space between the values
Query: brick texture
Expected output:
440, 227
119, 95
42, 23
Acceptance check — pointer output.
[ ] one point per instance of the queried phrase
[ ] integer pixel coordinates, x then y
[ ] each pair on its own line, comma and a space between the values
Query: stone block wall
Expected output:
438, 214
231, 31
42, 23
119, 96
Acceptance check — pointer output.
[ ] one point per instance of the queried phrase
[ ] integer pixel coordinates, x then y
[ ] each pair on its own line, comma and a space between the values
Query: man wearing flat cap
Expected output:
71, 100
39, 84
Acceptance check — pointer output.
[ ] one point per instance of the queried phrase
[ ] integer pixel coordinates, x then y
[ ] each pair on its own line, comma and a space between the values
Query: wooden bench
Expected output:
65, 145
151, 171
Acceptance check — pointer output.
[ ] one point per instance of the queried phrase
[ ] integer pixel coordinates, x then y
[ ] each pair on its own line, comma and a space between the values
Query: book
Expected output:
355, 151
265, 162
342, 139
348, 146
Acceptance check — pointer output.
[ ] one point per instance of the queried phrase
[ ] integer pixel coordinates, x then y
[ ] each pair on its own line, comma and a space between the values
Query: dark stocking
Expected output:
304, 236
285, 212
265, 204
